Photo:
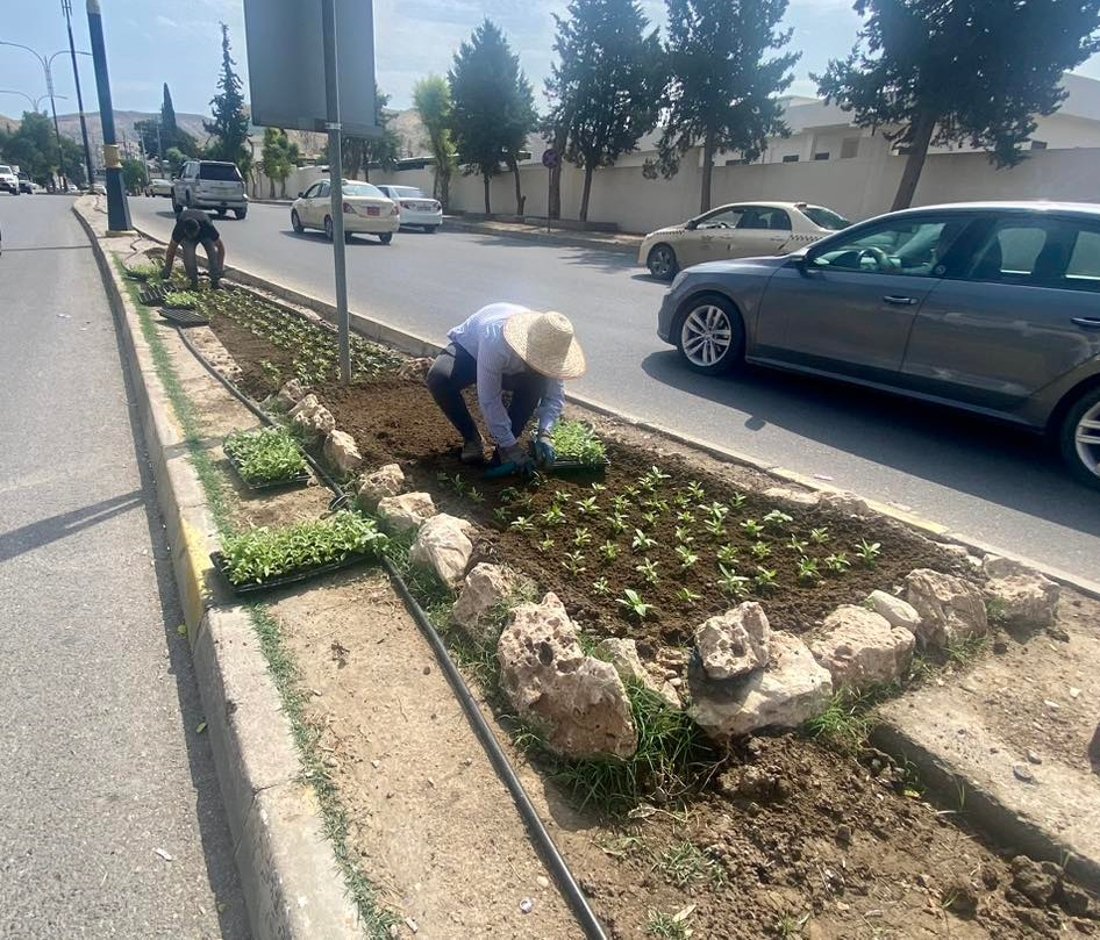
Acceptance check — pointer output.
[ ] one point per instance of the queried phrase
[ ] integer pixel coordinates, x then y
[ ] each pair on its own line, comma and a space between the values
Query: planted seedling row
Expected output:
267, 458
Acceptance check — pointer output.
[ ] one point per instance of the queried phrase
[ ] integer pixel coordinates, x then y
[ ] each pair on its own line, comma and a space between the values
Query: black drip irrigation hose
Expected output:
542, 839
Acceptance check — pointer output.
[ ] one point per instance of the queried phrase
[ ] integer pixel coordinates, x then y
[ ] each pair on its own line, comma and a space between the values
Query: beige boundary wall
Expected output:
857, 188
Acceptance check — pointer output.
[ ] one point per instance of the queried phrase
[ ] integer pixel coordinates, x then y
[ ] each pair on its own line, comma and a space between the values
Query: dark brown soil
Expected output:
397, 420
250, 352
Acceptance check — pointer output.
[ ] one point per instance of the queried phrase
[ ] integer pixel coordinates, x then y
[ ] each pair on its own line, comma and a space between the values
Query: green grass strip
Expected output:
376, 921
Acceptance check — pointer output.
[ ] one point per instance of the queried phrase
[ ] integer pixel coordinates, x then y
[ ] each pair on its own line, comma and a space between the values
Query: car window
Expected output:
225, 172
1039, 252
1083, 269
407, 192
312, 191
363, 189
915, 247
323, 190
724, 218
825, 218
775, 219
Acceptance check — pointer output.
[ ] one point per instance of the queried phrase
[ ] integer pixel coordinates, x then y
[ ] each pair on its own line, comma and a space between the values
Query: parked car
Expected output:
366, 211
739, 230
991, 307
9, 182
158, 187
210, 184
26, 185
417, 209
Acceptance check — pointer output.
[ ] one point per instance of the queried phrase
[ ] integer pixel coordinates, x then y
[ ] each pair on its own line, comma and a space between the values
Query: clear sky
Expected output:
153, 41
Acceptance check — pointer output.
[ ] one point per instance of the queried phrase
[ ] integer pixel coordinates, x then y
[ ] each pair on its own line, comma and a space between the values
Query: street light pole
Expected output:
118, 210
35, 103
336, 184
67, 9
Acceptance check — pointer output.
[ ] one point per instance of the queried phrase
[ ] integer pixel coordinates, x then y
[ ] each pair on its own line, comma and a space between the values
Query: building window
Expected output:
1038, 145
822, 155
849, 148
791, 158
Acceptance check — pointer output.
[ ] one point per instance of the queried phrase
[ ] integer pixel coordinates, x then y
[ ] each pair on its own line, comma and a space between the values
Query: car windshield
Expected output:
904, 247
825, 218
220, 171
4, 168
407, 192
362, 189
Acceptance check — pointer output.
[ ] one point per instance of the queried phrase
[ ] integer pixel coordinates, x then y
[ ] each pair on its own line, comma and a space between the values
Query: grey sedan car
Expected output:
991, 307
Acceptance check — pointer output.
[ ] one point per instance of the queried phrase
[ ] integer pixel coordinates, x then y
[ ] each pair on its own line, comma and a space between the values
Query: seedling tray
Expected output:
184, 317
152, 295
244, 590
300, 480
577, 466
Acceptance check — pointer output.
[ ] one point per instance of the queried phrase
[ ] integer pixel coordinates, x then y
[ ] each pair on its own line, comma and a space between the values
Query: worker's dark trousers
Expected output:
191, 264
455, 369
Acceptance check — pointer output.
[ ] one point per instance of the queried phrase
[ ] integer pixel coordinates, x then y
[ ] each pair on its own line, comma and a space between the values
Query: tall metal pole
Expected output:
118, 210
56, 127
336, 178
67, 8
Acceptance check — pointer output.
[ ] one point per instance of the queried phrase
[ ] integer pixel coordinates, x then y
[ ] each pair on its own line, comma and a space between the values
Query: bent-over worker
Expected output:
194, 228
507, 347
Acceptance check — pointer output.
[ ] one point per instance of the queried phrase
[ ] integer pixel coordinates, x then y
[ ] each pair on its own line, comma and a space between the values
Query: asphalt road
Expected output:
992, 483
111, 822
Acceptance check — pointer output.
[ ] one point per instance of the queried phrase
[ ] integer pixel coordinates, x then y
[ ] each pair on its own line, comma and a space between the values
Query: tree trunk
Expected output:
708, 169
586, 192
923, 127
271, 179
485, 180
520, 198
445, 189
553, 205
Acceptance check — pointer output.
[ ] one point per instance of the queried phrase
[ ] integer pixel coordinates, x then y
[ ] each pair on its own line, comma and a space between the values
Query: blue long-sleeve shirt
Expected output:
482, 336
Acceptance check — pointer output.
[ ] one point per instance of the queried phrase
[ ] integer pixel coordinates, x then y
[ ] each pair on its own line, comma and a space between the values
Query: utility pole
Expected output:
67, 9
118, 210
336, 184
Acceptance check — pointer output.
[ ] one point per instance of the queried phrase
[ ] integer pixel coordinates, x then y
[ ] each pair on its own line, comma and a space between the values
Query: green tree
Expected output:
171, 134
134, 175
432, 100
382, 150
494, 108
229, 128
175, 158
724, 82
279, 158
168, 115
34, 148
72, 161
606, 85
960, 71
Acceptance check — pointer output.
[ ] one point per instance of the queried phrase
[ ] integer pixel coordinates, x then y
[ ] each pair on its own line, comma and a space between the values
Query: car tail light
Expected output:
436, 206
395, 210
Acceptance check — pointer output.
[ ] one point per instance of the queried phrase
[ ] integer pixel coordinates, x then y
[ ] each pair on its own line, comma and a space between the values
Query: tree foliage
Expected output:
382, 151
606, 85
494, 107
955, 71
432, 100
724, 80
171, 134
279, 159
33, 147
134, 175
229, 128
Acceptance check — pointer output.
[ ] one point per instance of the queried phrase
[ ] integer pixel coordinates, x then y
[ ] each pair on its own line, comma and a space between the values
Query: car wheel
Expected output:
662, 262
295, 222
386, 238
329, 234
710, 334
240, 213
1079, 438
221, 213
430, 229
347, 237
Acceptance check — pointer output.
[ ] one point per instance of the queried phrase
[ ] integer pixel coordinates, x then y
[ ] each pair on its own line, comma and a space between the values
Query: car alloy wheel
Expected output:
1081, 438
662, 262
329, 234
709, 336
295, 222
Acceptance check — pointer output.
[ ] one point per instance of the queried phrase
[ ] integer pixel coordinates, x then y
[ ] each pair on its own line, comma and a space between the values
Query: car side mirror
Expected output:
301, 195
691, 225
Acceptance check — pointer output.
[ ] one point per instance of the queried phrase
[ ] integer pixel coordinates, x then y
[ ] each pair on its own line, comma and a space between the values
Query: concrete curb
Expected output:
560, 237
292, 884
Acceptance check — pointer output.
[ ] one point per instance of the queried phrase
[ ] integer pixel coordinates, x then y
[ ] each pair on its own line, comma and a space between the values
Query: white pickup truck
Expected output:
9, 181
210, 184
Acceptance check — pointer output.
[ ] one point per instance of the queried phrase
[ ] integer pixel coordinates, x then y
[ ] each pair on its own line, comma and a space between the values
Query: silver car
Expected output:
991, 307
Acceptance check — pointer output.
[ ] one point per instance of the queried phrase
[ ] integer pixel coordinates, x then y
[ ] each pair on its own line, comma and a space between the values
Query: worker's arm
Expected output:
490, 389
169, 257
551, 406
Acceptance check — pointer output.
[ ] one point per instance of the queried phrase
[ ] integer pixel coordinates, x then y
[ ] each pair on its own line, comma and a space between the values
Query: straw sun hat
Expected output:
545, 341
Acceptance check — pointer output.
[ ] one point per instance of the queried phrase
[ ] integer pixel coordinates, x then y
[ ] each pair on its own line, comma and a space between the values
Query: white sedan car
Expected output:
367, 211
417, 209
159, 187
740, 230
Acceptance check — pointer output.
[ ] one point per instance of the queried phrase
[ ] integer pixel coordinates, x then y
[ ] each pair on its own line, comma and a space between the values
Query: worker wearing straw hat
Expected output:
507, 347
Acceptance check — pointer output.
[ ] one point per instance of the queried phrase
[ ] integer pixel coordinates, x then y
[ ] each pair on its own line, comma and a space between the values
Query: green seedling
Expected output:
582, 537
642, 542
560, 498
475, 496
522, 524
684, 536
716, 528
617, 523
869, 552
620, 503
659, 506
798, 545
696, 491
545, 545
687, 596
270, 455
837, 563
634, 604
729, 582
727, 555
609, 551
588, 506
808, 571
682, 500
598, 487
752, 528
819, 536
686, 518
575, 441
777, 519
737, 500
509, 494
601, 588
553, 517
688, 559
766, 579
651, 519
500, 516
573, 562
760, 550
183, 299
648, 570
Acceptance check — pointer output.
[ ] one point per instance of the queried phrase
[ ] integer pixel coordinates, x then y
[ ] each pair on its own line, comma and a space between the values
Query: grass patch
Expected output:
376, 920
845, 724
686, 864
964, 651
669, 926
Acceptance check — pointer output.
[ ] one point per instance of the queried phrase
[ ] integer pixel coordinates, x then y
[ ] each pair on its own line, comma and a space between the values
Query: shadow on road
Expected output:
1001, 464
590, 257
44, 531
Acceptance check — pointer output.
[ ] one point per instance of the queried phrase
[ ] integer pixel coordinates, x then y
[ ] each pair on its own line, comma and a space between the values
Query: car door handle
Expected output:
1089, 323
899, 300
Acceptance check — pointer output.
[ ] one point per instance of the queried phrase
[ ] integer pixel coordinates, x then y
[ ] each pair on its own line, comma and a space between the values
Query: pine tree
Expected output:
723, 90
960, 71
168, 126
494, 107
230, 125
606, 84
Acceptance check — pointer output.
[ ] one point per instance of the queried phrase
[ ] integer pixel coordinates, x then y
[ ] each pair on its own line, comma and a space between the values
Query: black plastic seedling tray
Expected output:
300, 480
244, 590
152, 295
576, 466
182, 316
